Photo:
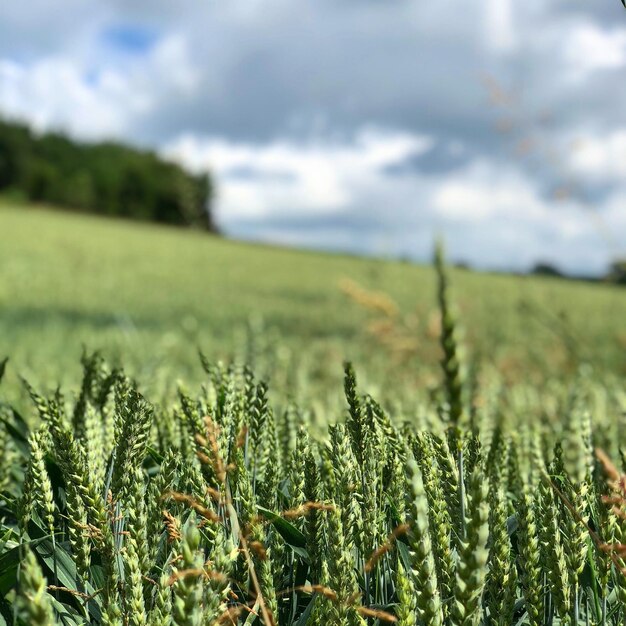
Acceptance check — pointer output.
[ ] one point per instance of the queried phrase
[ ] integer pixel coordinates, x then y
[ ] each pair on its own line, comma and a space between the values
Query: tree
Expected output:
108, 178
546, 269
617, 272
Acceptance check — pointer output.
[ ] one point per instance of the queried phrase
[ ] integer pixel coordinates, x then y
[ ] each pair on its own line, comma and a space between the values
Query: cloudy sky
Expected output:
358, 125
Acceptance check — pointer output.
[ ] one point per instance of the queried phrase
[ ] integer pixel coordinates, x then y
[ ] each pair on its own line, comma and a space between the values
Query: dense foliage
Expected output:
485, 504
617, 273
106, 178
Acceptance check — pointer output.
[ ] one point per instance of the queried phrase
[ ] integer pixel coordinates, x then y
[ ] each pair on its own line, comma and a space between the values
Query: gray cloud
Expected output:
269, 73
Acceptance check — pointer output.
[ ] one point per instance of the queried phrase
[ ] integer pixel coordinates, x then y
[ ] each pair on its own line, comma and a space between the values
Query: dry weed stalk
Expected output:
386, 547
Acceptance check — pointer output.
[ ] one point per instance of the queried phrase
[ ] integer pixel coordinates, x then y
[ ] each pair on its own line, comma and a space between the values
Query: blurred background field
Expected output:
155, 295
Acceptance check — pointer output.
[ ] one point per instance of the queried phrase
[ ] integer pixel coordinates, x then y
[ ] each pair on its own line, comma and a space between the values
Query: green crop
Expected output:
149, 296
478, 500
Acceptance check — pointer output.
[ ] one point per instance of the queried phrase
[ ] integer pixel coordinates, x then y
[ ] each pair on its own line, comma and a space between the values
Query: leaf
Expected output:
67, 614
8, 532
288, 531
9, 562
3, 366
65, 568
394, 510
304, 616
96, 573
18, 429
520, 609
157, 457
405, 557
512, 524
6, 612
301, 552
292, 536
251, 619
56, 556
301, 574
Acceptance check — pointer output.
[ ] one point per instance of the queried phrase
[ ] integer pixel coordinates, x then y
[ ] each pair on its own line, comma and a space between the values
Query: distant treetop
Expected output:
546, 269
105, 178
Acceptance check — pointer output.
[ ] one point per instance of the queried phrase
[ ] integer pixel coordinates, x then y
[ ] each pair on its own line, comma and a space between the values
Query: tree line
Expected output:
107, 178
615, 274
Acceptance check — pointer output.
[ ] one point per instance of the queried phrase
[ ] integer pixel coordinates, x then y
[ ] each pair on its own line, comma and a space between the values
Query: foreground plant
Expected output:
223, 508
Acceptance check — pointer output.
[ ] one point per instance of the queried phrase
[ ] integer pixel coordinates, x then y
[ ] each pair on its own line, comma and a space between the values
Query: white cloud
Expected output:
496, 213
600, 156
52, 93
500, 24
95, 101
319, 175
611, 221
169, 68
341, 194
480, 193
589, 48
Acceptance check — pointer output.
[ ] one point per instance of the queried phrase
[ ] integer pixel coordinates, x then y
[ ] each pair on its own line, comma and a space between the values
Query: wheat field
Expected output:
435, 481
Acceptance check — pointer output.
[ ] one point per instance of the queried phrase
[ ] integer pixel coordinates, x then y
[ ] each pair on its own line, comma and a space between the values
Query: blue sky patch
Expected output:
130, 38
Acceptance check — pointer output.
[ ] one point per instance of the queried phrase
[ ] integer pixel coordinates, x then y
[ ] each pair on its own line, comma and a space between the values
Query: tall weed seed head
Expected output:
501, 580
7, 453
452, 360
346, 477
553, 554
341, 568
161, 611
314, 521
574, 509
187, 579
616, 529
428, 601
440, 523
37, 493
356, 422
407, 601
34, 604
133, 418
530, 557
472, 562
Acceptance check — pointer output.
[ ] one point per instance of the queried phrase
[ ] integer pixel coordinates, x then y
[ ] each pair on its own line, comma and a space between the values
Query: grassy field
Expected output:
157, 294
424, 493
